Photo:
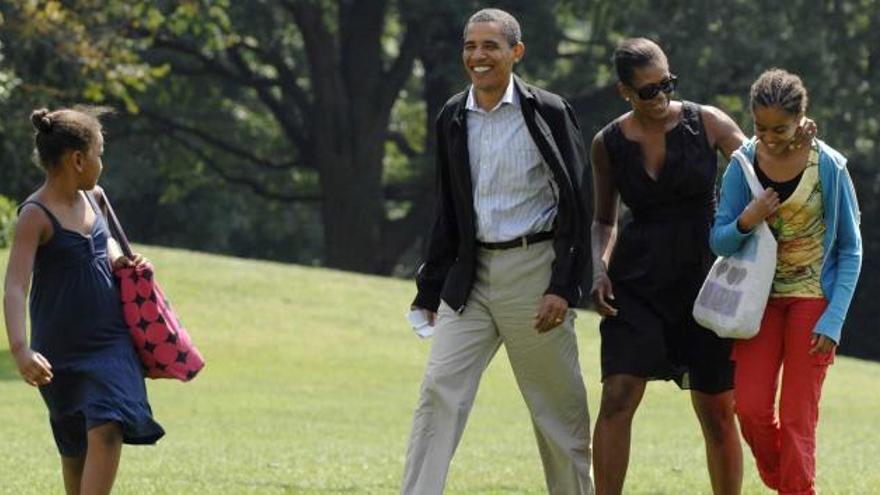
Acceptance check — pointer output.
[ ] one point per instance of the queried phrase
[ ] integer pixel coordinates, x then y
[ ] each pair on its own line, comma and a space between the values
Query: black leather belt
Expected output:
523, 241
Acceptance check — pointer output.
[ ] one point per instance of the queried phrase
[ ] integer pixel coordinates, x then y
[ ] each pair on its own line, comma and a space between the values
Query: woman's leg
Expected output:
723, 450
102, 459
72, 471
802, 378
755, 382
621, 395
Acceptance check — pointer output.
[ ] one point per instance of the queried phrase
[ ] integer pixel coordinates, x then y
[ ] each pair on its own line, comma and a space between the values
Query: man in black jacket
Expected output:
504, 263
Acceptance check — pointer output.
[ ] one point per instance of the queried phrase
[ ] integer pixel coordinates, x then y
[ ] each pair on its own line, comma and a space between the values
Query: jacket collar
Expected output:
522, 89
510, 97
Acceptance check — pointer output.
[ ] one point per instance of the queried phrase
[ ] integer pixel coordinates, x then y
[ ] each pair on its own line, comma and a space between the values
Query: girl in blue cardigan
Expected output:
810, 205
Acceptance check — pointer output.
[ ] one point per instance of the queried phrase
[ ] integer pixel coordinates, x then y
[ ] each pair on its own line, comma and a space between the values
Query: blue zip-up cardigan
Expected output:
842, 245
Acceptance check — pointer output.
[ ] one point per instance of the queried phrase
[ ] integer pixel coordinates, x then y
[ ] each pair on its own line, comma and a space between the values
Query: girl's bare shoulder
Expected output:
32, 217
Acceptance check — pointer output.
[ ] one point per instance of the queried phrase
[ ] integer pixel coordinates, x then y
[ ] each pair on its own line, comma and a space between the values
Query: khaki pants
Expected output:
507, 292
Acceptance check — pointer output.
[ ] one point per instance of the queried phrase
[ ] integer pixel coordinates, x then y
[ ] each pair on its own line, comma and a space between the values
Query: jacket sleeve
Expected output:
568, 267
443, 238
848, 250
725, 238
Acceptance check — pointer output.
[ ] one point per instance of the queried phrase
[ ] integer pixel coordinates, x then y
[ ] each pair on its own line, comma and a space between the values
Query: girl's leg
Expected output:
72, 471
802, 378
621, 395
755, 382
102, 459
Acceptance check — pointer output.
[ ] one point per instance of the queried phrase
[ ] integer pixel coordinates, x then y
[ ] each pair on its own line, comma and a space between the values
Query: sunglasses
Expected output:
650, 91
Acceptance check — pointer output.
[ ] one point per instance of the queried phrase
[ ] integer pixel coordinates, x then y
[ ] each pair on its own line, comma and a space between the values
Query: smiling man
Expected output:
503, 263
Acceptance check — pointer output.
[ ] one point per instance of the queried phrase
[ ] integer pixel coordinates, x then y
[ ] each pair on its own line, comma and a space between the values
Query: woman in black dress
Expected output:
660, 158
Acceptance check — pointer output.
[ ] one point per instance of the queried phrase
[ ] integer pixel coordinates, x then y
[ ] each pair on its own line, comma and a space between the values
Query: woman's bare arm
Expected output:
604, 227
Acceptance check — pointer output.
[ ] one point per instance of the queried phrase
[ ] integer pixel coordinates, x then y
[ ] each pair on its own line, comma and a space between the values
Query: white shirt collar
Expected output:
510, 97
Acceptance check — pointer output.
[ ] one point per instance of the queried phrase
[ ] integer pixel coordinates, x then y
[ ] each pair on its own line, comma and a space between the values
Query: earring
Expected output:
627, 98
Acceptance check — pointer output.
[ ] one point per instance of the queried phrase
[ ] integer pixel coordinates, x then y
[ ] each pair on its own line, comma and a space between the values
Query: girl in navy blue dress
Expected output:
80, 355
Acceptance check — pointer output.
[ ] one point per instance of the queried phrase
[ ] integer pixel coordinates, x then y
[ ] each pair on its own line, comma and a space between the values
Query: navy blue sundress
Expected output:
77, 324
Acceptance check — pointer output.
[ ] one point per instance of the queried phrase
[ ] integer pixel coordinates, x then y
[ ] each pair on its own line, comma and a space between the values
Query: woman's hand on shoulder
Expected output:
804, 134
32, 366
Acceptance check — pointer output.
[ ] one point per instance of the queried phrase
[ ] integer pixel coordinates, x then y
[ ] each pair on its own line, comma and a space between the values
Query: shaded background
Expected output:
299, 130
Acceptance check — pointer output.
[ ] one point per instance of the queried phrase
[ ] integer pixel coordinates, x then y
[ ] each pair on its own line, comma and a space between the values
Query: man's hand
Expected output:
33, 367
429, 315
603, 294
821, 344
551, 313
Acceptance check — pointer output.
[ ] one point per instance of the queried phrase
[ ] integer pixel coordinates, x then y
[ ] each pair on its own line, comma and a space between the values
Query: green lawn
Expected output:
311, 380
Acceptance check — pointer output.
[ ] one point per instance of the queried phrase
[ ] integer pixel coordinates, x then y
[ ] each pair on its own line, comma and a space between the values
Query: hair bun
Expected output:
41, 121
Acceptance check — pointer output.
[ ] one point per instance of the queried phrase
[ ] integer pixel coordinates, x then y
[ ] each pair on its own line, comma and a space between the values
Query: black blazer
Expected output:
449, 267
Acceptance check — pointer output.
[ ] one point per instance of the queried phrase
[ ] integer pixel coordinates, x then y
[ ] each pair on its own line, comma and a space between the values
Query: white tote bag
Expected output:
732, 300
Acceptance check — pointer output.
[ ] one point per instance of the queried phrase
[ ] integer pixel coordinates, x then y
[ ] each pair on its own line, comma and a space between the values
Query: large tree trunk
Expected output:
354, 93
353, 213
353, 207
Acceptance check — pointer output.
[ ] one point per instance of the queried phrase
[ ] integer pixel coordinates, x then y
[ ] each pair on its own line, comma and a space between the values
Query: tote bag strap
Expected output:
749, 172
116, 227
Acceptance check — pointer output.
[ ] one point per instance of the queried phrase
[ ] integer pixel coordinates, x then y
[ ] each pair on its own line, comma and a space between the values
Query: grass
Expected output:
311, 380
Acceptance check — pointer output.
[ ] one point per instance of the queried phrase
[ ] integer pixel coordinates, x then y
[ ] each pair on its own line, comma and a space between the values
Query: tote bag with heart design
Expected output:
733, 297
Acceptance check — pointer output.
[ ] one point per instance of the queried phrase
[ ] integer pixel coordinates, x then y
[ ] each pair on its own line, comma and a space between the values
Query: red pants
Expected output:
784, 445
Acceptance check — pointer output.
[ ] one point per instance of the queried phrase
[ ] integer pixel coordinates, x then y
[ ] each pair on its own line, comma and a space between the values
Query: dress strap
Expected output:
612, 137
52, 218
691, 113
692, 121
90, 197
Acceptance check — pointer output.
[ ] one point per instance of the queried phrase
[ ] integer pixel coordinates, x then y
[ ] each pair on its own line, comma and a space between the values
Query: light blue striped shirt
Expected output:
514, 190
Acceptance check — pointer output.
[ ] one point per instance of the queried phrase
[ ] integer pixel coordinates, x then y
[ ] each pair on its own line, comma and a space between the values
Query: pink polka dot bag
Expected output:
161, 341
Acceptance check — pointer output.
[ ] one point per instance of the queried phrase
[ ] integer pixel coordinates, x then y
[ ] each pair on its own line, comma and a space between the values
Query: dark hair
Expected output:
509, 24
65, 129
635, 53
780, 88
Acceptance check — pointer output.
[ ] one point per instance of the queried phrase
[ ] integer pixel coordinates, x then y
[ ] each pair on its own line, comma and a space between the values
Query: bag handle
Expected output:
116, 227
749, 172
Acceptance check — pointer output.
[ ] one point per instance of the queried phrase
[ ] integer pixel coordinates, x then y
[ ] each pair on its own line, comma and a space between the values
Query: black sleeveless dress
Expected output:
77, 324
660, 261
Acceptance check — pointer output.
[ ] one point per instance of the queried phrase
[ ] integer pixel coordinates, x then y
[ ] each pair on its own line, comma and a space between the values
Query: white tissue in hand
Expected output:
420, 324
